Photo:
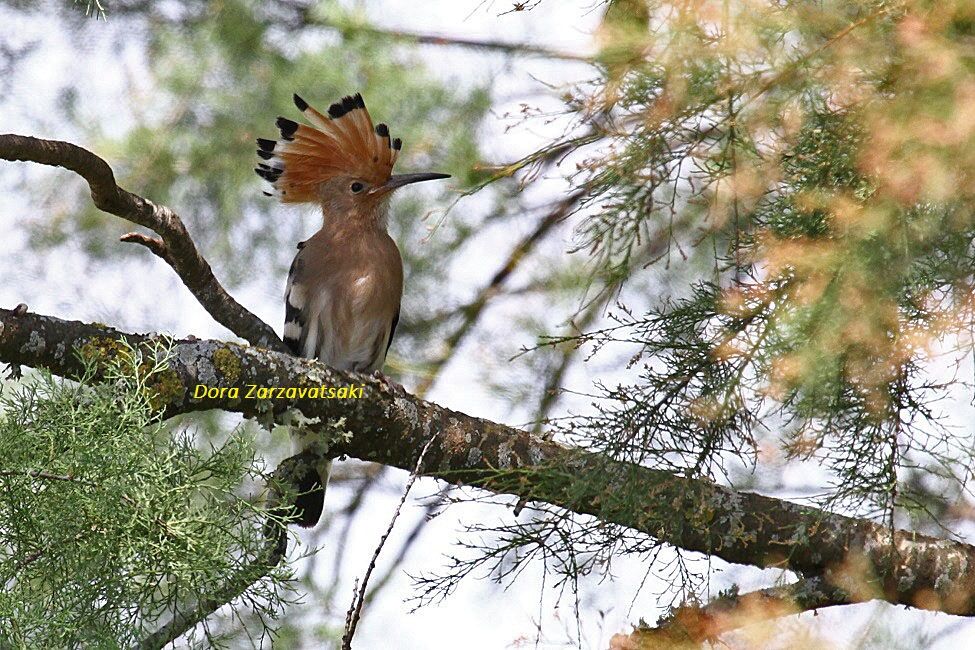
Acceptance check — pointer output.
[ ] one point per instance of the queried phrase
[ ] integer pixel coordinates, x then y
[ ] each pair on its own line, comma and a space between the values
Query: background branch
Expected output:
902, 567
696, 624
352, 27
473, 310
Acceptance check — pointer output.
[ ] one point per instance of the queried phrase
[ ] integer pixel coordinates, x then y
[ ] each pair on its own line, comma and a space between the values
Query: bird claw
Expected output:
387, 382
14, 371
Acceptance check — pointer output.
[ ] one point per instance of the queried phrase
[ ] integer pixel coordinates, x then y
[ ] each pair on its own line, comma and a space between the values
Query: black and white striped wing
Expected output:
294, 304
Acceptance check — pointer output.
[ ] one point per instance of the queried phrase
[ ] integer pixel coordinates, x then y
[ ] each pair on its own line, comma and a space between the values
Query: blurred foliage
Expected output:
811, 165
217, 83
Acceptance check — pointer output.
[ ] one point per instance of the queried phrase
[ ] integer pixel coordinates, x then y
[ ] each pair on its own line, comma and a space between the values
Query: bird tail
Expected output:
310, 502
309, 479
342, 143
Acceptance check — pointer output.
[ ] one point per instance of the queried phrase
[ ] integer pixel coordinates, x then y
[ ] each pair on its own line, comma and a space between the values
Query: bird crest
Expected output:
342, 143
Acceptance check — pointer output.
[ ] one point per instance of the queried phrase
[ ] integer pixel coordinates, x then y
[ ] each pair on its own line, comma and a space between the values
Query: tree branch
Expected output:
697, 624
155, 245
354, 27
391, 427
175, 246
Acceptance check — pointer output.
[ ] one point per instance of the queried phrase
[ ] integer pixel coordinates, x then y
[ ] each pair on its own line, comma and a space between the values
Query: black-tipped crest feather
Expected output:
287, 127
345, 105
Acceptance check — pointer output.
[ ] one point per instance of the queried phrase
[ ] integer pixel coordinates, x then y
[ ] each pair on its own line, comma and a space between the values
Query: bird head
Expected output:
341, 161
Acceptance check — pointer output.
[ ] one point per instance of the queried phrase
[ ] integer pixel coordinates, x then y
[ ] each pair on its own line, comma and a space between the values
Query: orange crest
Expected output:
343, 143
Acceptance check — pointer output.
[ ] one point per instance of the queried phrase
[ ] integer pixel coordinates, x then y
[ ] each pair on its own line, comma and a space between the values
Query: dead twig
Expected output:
355, 610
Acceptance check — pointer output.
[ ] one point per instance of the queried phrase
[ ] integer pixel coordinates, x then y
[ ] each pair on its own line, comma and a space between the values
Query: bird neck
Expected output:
354, 223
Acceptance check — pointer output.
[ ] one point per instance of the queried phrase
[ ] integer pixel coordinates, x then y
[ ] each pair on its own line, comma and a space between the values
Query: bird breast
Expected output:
353, 298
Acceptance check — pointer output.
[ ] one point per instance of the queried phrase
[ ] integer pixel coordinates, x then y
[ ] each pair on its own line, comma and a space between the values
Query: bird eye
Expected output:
356, 187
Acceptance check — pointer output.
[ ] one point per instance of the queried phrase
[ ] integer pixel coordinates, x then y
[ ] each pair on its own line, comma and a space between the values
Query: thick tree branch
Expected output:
175, 246
391, 427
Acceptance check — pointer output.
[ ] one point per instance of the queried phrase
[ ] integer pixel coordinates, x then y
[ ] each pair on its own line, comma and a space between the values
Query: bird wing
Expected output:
294, 301
341, 307
392, 332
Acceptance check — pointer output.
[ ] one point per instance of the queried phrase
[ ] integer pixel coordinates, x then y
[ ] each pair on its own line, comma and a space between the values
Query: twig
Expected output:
473, 310
154, 244
553, 383
175, 245
39, 553
411, 538
350, 513
355, 610
237, 585
46, 476
276, 536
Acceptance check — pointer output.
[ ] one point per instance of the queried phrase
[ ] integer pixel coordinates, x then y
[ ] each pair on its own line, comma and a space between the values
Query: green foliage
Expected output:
110, 520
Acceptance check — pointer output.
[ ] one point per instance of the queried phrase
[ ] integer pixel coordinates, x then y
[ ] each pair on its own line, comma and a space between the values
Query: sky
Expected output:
478, 615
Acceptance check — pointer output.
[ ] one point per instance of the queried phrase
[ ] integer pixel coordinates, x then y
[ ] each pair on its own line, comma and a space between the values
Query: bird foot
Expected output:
387, 382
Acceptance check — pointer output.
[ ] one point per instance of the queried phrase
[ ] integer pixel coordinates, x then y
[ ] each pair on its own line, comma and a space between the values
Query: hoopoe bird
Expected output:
342, 300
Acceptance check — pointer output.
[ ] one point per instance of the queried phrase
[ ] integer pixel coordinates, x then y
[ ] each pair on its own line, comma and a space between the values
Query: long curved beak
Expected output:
399, 180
